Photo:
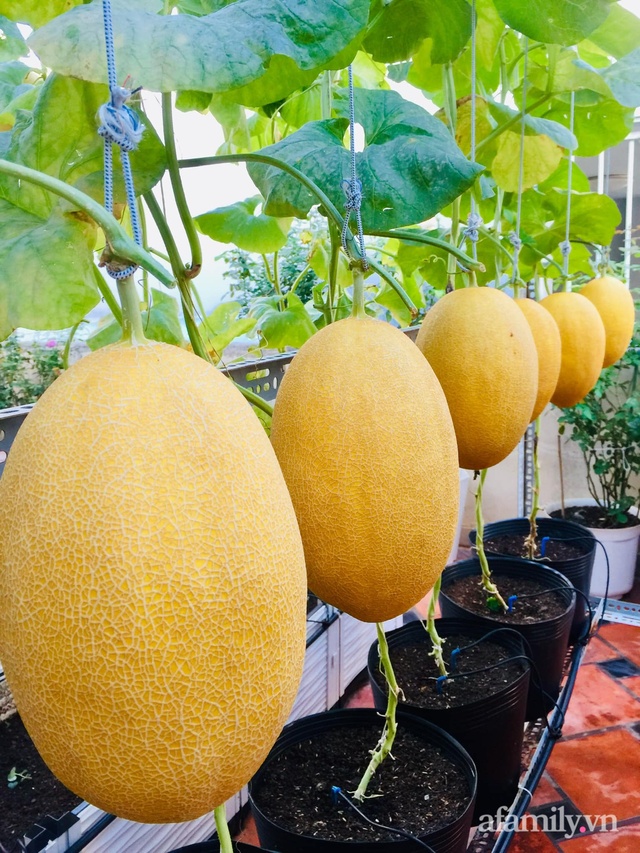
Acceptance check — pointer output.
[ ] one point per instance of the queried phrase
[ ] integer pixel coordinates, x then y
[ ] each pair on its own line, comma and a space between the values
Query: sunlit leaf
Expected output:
554, 21
282, 322
541, 158
12, 44
239, 224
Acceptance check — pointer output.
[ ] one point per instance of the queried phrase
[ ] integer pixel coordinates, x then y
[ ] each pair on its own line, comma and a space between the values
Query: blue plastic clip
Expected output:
455, 654
510, 602
439, 682
543, 544
335, 794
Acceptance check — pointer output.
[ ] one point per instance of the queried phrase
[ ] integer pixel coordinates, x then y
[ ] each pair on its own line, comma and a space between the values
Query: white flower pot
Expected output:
622, 550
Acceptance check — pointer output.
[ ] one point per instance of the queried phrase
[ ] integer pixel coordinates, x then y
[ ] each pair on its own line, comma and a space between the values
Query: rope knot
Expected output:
353, 194
515, 241
474, 223
119, 124
565, 248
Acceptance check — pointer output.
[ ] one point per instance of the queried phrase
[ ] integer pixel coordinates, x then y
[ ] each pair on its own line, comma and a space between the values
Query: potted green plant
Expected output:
606, 427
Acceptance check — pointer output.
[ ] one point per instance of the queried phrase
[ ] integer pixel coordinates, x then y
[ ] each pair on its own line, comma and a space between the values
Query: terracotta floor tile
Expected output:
597, 650
532, 842
545, 793
361, 698
600, 773
598, 701
249, 833
626, 638
624, 840
633, 684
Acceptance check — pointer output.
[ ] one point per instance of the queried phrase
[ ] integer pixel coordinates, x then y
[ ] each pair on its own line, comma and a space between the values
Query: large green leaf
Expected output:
12, 81
12, 45
401, 27
571, 74
619, 34
223, 326
60, 138
36, 12
554, 21
623, 78
270, 47
594, 218
489, 31
597, 126
46, 270
542, 157
238, 224
282, 321
410, 168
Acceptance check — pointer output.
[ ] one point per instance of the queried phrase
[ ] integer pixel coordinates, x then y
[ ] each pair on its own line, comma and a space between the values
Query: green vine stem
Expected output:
430, 625
178, 188
336, 246
132, 331
327, 95
357, 309
67, 347
494, 599
531, 542
107, 295
224, 836
385, 744
329, 207
121, 247
418, 237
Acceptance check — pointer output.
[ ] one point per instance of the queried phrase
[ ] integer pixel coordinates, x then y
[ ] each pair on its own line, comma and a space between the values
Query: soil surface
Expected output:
416, 672
512, 545
544, 603
35, 796
594, 516
422, 790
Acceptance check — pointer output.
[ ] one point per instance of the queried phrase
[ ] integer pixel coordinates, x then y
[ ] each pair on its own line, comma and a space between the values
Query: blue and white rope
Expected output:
353, 187
121, 126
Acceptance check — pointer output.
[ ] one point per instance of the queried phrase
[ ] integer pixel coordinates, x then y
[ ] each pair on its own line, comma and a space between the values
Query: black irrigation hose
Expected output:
339, 793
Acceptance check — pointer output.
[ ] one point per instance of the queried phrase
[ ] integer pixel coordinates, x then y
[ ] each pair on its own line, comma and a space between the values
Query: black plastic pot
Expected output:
490, 729
547, 640
449, 839
578, 569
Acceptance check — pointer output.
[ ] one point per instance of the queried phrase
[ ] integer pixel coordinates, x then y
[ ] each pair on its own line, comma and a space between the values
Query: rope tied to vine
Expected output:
352, 187
474, 220
121, 126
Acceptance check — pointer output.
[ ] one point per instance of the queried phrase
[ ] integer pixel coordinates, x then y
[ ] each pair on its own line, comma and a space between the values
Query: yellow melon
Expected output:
583, 344
481, 348
153, 612
616, 308
549, 346
367, 448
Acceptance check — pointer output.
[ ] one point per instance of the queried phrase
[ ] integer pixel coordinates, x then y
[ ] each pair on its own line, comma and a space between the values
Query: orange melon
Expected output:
153, 614
549, 346
583, 345
615, 305
366, 444
480, 347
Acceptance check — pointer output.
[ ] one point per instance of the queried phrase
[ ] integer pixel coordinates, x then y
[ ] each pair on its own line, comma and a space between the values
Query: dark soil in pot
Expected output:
427, 789
468, 593
485, 712
31, 798
594, 516
568, 547
544, 621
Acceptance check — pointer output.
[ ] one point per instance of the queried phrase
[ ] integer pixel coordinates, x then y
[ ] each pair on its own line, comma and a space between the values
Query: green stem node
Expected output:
132, 331
436, 639
490, 587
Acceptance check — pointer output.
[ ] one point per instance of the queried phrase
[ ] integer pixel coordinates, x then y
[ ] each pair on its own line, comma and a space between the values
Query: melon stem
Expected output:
492, 590
385, 744
430, 625
531, 542
357, 309
132, 331
224, 836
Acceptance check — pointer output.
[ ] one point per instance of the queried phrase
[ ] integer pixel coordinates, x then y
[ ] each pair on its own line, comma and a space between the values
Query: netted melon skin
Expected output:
583, 346
482, 351
614, 303
367, 448
549, 346
152, 584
